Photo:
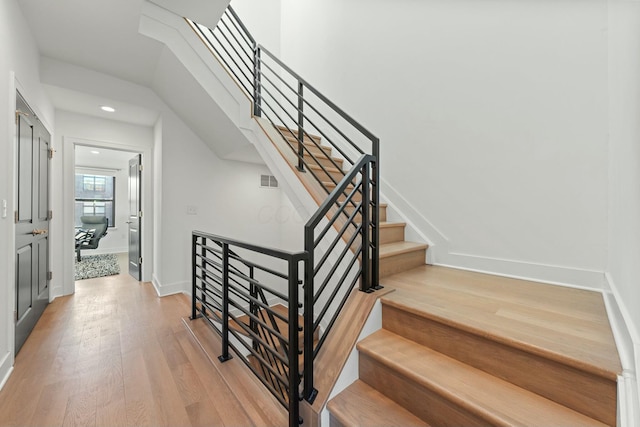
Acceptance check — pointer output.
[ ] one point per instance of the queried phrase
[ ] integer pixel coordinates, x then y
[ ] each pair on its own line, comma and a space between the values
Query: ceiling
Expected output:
101, 35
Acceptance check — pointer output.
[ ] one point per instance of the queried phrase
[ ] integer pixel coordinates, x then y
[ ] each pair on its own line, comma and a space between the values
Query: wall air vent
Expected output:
268, 181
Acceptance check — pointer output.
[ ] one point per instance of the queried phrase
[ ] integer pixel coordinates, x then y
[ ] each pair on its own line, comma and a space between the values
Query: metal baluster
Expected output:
257, 90
309, 289
375, 216
300, 126
294, 375
253, 307
365, 283
203, 269
225, 304
194, 288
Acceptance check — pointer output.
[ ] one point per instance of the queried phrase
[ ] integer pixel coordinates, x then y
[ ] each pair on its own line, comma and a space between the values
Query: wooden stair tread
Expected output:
361, 405
483, 395
567, 325
396, 248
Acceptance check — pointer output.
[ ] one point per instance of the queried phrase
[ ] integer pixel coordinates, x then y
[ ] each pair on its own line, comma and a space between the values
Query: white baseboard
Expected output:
550, 274
164, 290
628, 401
628, 343
56, 292
6, 368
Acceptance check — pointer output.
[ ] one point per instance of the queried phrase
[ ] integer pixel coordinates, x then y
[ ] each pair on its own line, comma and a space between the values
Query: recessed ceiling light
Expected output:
107, 109
95, 152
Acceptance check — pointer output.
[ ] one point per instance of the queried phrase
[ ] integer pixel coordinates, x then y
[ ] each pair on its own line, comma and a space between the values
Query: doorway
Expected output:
105, 187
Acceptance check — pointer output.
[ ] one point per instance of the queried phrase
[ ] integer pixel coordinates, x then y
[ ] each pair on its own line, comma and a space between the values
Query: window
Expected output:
95, 195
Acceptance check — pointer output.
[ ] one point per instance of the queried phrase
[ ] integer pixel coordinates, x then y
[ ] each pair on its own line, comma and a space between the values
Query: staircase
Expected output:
466, 349
455, 349
396, 254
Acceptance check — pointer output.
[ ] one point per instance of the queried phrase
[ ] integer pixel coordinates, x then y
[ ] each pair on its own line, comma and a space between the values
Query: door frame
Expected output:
69, 143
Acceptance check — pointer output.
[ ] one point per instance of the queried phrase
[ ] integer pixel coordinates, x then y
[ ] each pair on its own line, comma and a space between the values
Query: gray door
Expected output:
135, 217
32, 221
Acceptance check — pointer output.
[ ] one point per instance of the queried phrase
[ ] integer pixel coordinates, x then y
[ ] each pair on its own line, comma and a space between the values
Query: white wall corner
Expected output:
164, 290
628, 345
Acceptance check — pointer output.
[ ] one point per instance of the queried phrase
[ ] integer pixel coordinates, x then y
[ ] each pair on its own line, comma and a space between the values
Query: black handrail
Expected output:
341, 247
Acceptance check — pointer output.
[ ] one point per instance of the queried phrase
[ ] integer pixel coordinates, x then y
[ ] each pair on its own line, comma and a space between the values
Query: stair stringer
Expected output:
350, 371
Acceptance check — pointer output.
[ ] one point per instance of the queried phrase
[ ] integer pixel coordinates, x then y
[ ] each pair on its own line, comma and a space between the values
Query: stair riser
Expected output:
402, 262
383, 213
311, 147
334, 422
424, 403
582, 391
391, 234
324, 176
288, 135
326, 162
356, 197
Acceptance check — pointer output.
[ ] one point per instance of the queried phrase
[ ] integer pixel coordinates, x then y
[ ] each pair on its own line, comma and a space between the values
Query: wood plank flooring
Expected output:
114, 354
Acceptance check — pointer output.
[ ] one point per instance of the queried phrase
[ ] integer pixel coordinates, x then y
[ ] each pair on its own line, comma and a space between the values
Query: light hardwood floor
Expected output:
114, 354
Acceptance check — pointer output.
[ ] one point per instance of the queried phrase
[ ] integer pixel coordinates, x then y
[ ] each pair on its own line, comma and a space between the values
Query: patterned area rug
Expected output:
93, 266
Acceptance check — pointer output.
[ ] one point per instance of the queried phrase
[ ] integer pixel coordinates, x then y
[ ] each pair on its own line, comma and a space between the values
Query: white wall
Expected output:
19, 61
624, 171
492, 117
263, 20
227, 198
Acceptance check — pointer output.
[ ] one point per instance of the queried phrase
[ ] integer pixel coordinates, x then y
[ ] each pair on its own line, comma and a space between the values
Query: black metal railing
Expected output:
240, 298
237, 294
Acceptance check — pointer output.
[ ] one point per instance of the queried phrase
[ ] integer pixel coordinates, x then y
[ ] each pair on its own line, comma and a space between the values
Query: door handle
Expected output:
36, 232
129, 222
